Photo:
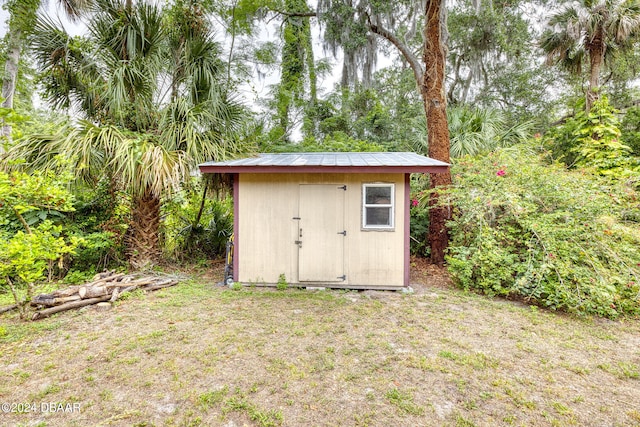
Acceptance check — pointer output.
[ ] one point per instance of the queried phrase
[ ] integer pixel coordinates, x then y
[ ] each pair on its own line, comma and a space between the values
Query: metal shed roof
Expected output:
404, 162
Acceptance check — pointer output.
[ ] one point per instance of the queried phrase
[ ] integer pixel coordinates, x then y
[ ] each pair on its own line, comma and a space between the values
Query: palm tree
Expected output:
474, 131
149, 84
592, 29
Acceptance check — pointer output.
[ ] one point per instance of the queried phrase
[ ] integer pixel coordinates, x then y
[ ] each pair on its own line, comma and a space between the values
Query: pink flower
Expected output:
501, 172
537, 135
414, 202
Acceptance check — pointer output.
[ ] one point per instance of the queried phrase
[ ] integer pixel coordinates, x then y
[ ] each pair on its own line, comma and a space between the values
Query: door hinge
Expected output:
343, 277
296, 217
343, 187
344, 233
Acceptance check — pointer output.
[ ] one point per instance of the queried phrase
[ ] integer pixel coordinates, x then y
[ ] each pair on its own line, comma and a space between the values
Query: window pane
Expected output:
378, 216
378, 195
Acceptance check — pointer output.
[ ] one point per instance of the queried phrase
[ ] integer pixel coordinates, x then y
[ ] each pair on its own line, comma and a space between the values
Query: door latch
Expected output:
299, 243
344, 233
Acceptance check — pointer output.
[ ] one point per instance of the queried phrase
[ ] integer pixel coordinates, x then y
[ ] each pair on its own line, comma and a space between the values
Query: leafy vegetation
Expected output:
564, 240
30, 243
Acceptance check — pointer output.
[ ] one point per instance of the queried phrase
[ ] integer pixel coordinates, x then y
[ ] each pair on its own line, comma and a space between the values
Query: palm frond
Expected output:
147, 167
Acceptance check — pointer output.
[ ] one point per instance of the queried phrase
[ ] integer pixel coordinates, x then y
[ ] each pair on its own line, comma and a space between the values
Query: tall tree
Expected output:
150, 84
297, 63
295, 96
22, 17
593, 29
493, 59
354, 27
433, 92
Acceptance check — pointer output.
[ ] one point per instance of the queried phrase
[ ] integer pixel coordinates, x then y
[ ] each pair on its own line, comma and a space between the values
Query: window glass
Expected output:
378, 216
377, 206
378, 195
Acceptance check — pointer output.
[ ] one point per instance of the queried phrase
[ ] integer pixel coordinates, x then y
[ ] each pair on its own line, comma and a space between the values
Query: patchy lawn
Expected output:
198, 354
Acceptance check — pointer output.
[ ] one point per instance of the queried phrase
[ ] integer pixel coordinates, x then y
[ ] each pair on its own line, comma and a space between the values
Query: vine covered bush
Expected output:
566, 240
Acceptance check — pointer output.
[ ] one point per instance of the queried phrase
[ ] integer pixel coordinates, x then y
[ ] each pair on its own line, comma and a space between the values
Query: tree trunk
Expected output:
435, 105
596, 50
143, 243
10, 79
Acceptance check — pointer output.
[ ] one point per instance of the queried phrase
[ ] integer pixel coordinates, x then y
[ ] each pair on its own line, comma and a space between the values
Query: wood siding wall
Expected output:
267, 230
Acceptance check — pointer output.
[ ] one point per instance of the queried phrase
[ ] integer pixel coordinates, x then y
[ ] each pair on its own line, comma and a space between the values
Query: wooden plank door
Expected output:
321, 233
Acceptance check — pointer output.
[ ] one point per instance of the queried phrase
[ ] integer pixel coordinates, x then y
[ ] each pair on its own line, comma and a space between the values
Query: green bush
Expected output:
101, 218
594, 140
557, 238
207, 239
419, 216
31, 245
631, 129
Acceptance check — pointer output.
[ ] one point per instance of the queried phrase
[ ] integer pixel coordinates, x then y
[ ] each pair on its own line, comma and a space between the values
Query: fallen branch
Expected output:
161, 285
9, 308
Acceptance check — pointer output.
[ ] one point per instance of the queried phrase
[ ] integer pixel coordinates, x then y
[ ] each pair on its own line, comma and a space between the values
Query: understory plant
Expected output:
594, 140
31, 245
566, 240
197, 227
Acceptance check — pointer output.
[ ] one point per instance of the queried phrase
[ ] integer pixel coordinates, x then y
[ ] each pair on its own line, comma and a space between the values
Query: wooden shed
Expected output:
336, 220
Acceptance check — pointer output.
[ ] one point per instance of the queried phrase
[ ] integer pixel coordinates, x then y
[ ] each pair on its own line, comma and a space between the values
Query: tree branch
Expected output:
22, 221
295, 14
412, 59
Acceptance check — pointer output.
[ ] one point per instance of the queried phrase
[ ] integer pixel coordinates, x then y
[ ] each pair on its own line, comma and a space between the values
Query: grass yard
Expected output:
197, 354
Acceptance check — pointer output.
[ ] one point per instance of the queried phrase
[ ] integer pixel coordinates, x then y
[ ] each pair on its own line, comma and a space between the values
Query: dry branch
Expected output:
161, 285
9, 308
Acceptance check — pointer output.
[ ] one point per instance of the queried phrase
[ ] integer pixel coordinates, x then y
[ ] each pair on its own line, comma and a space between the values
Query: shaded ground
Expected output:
198, 354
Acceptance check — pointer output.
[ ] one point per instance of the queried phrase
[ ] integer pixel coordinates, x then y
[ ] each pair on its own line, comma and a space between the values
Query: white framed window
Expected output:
377, 206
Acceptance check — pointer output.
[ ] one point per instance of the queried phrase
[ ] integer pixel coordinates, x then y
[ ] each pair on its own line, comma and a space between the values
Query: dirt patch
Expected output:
424, 276
201, 354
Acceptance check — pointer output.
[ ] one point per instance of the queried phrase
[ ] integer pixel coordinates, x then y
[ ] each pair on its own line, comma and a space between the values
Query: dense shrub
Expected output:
419, 216
31, 245
186, 239
594, 140
630, 129
565, 240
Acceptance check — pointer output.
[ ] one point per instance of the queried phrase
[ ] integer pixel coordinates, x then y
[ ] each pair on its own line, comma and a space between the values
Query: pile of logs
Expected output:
106, 288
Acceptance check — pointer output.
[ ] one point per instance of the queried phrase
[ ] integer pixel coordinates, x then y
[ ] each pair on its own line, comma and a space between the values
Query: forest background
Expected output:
537, 109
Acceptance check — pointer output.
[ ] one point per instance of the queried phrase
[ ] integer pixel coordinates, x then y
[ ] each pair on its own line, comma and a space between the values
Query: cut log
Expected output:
68, 306
92, 291
9, 308
71, 290
50, 302
103, 306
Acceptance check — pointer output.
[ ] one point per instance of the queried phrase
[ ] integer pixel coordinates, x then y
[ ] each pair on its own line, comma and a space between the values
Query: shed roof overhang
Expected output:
329, 163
